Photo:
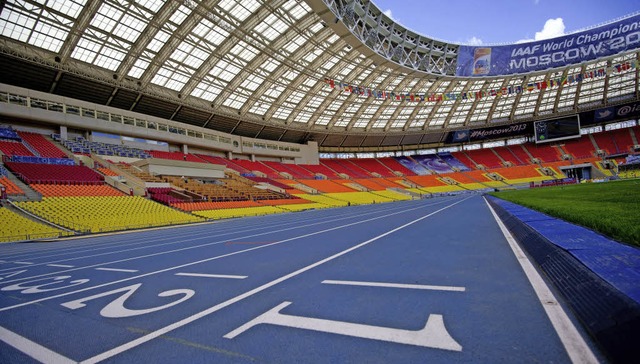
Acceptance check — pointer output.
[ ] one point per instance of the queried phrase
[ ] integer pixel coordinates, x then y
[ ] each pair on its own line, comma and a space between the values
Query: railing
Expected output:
32, 236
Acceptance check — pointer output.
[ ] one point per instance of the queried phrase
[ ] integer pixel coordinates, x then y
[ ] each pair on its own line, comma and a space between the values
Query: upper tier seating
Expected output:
485, 157
320, 169
326, 186
176, 156
50, 190
257, 166
7, 132
580, 148
615, 141
224, 162
345, 167
464, 159
395, 166
294, 170
43, 146
49, 173
521, 154
373, 165
12, 148
507, 156
544, 152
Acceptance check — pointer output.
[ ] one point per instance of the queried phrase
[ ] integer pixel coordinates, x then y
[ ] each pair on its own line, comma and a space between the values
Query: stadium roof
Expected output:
283, 70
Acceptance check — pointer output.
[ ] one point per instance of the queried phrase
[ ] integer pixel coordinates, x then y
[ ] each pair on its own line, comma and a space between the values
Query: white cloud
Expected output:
552, 28
474, 41
388, 13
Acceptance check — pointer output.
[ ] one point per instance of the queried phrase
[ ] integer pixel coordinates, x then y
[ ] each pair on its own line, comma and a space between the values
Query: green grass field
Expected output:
612, 208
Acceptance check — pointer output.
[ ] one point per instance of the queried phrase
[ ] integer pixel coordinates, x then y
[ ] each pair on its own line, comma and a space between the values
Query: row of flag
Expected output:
437, 97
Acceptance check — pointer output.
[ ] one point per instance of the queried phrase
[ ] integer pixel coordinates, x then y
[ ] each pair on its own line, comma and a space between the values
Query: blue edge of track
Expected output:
599, 278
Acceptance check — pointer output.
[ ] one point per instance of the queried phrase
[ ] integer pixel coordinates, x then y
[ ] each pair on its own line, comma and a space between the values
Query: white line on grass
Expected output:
574, 344
141, 340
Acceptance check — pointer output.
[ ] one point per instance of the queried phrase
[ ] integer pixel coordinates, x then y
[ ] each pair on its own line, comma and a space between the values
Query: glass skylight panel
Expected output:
235, 100
240, 10
180, 15
303, 117
294, 44
244, 51
152, 5
275, 91
323, 120
109, 58
261, 107
283, 111
271, 27
207, 89
42, 25
225, 70
158, 41
252, 82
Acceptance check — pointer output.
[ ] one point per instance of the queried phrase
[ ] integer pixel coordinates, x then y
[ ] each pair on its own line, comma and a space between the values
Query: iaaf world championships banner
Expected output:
607, 40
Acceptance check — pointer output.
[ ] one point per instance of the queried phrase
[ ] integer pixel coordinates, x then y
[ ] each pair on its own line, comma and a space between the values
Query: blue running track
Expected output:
431, 281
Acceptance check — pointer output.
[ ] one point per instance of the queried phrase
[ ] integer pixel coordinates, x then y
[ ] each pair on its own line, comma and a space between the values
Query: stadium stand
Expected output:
520, 153
106, 213
395, 166
345, 167
11, 187
543, 152
580, 148
485, 157
16, 227
12, 148
50, 173
176, 156
61, 190
321, 169
42, 145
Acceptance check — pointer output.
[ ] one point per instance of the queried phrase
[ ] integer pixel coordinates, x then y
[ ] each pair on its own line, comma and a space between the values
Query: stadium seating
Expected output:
294, 170
11, 148
485, 157
507, 156
346, 167
257, 166
106, 213
60, 190
176, 156
10, 187
614, 141
372, 165
326, 186
43, 146
544, 152
464, 159
239, 212
520, 153
15, 227
395, 166
50, 173
580, 148
321, 169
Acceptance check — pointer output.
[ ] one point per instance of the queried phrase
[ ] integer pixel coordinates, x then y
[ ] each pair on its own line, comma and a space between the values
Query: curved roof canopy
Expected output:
265, 69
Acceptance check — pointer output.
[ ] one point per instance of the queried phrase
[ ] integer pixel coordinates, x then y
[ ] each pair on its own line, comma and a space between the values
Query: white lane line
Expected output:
196, 262
143, 339
23, 263
396, 285
33, 349
117, 270
210, 275
574, 344
207, 244
60, 265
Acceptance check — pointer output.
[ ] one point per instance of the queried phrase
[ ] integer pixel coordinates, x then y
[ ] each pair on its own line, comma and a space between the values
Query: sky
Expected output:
502, 21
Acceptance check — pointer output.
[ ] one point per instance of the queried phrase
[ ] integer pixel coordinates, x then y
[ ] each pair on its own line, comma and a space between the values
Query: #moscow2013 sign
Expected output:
606, 40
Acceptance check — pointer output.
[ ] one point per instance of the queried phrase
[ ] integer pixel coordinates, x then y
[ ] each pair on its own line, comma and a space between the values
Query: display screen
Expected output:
557, 129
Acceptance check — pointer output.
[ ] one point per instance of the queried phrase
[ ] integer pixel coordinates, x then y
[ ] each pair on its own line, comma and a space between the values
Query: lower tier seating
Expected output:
106, 213
16, 227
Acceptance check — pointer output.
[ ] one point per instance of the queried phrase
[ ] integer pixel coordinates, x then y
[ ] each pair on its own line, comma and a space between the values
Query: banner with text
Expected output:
611, 113
496, 132
606, 40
